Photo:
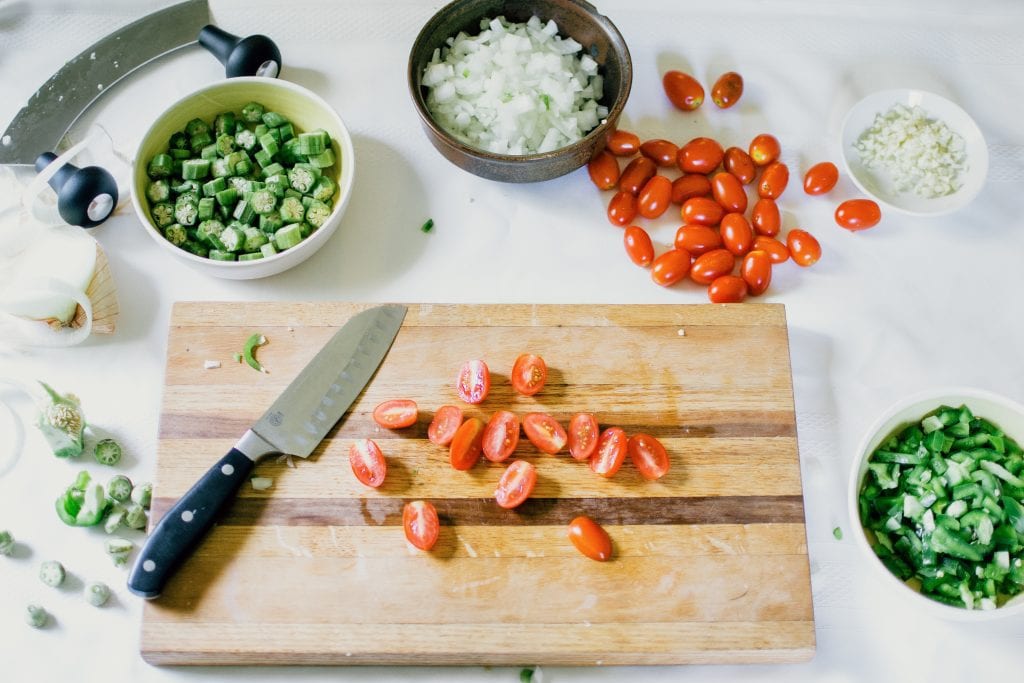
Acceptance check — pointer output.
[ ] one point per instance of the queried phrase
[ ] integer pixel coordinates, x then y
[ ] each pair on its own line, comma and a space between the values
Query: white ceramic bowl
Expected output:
876, 183
301, 106
1006, 414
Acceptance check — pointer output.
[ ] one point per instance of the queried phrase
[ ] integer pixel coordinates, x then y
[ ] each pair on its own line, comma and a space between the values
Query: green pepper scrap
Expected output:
249, 351
62, 423
83, 503
428, 226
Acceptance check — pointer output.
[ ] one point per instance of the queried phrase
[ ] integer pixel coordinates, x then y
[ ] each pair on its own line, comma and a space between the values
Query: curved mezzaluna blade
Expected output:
315, 400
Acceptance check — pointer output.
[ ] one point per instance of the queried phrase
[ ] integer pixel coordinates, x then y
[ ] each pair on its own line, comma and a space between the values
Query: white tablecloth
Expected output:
909, 305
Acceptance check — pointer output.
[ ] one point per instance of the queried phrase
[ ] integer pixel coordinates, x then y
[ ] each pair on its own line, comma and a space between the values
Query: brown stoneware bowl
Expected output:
576, 18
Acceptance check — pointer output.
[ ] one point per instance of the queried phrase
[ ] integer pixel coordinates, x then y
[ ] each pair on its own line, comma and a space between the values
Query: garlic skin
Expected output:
62, 423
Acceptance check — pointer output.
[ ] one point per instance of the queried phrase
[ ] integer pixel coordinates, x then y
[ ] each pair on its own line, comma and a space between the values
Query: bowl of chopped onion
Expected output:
914, 152
519, 91
936, 502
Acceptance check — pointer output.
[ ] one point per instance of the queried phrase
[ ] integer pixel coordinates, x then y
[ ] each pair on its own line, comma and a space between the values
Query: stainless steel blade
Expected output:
315, 400
39, 125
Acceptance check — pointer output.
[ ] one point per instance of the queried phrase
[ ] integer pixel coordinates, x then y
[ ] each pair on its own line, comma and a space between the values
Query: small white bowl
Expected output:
1004, 413
876, 183
303, 108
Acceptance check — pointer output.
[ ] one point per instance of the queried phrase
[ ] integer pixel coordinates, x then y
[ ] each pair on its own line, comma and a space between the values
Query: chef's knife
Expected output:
297, 421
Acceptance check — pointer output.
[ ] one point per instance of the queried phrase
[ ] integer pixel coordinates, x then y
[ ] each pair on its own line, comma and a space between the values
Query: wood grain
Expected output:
710, 562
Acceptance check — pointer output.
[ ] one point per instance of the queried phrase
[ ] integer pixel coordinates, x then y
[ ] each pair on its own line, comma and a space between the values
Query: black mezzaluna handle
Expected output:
85, 196
185, 524
255, 55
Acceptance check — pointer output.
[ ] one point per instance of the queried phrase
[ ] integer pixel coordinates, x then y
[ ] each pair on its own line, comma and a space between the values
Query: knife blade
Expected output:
295, 423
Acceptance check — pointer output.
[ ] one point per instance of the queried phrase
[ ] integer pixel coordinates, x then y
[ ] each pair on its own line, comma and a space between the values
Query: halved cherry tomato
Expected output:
683, 90
737, 235
622, 143
727, 90
700, 155
422, 527
396, 413
583, 434
661, 152
648, 455
712, 265
474, 381
611, 451
702, 210
529, 373
501, 436
756, 271
654, 197
467, 444
690, 185
776, 250
544, 432
367, 462
446, 422
697, 239
590, 538
670, 267
728, 289
803, 247
636, 174
728, 191
516, 484
604, 170
858, 214
765, 217
774, 179
638, 245
764, 149
821, 178
622, 208
739, 163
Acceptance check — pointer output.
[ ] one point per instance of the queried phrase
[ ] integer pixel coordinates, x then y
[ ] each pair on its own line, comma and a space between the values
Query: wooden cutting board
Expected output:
710, 562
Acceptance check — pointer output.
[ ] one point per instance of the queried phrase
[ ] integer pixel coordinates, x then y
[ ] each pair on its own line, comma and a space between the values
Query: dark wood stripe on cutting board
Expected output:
268, 511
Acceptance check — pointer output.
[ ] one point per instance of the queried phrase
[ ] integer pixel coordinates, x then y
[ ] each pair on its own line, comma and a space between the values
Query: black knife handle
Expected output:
255, 55
185, 524
85, 196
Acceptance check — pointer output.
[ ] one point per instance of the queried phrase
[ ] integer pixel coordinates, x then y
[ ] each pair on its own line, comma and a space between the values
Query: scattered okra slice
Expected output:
135, 517
142, 494
51, 573
107, 452
119, 488
6, 543
115, 518
97, 593
36, 616
119, 549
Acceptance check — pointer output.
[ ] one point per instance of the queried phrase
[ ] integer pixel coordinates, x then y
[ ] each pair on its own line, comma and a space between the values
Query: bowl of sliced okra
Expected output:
244, 178
936, 501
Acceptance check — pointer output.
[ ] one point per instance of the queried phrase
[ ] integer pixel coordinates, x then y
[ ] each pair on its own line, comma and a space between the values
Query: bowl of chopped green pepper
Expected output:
244, 178
936, 500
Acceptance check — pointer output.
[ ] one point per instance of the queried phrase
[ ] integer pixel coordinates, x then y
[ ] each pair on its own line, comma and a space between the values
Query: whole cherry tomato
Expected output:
604, 171
727, 89
737, 236
648, 455
697, 239
821, 178
683, 90
474, 381
756, 271
774, 179
583, 434
467, 444
544, 432
702, 210
729, 192
700, 155
611, 451
803, 247
367, 462
661, 152
764, 149
501, 436
622, 143
765, 217
446, 422
728, 289
590, 538
670, 267
712, 265
690, 185
421, 524
654, 197
636, 174
739, 163
516, 484
622, 208
776, 250
858, 214
529, 373
638, 245
396, 413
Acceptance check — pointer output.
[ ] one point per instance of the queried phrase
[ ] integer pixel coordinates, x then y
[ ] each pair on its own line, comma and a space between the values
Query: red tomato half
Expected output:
648, 455
467, 444
422, 527
638, 245
544, 432
516, 484
368, 463
396, 413
501, 436
446, 422
583, 434
611, 451
858, 214
474, 381
529, 373
590, 538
